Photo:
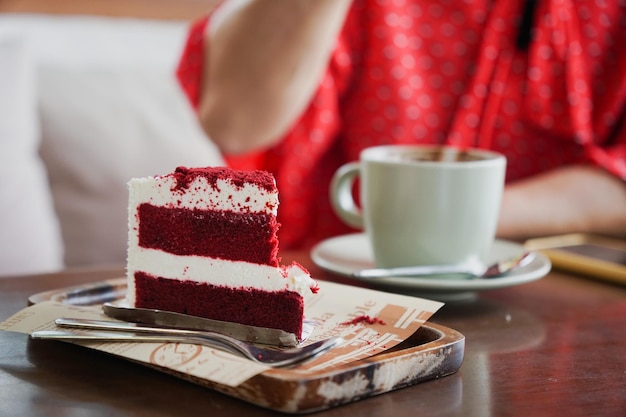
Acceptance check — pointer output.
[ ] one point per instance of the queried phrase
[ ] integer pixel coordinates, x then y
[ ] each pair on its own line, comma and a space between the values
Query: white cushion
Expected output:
110, 110
30, 240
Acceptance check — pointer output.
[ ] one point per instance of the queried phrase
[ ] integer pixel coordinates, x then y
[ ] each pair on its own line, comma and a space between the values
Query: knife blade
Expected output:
170, 319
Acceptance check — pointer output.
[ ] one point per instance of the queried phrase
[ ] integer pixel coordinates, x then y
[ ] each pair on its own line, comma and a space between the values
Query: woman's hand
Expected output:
570, 199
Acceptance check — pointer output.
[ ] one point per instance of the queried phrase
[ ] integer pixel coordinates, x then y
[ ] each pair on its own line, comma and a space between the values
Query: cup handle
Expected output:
341, 197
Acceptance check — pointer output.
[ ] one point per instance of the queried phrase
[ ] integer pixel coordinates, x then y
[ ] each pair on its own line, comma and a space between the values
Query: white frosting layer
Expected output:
216, 272
161, 191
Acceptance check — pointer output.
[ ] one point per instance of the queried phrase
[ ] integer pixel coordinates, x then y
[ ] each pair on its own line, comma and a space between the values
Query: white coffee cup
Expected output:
423, 205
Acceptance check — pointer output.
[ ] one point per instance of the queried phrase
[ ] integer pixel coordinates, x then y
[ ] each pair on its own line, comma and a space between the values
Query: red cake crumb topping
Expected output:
185, 176
363, 319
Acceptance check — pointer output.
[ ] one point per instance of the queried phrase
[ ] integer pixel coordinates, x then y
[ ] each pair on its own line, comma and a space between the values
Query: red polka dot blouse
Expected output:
544, 86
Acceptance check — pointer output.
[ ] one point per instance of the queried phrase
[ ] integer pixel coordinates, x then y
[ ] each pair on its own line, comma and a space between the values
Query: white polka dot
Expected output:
581, 137
326, 116
316, 136
398, 72
558, 37
424, 101
391, 19
420, 132
480, 90
472, 120
575, 48
491, 52
454, 138
343, 59
563, 14
605, 20
416, 81
580, 86
497, 87
448, 30
400, 40
405, 92
545, 52
548, 20
413, 112
406, 22
534, 73
500, 24
408, 61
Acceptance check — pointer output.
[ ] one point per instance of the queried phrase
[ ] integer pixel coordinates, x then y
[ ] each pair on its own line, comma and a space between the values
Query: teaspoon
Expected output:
473, 268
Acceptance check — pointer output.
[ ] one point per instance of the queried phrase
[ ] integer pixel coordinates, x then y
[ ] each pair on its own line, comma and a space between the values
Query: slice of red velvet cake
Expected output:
203, 242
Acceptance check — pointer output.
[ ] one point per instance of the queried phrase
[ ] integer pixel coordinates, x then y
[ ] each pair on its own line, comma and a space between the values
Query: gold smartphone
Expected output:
586, 254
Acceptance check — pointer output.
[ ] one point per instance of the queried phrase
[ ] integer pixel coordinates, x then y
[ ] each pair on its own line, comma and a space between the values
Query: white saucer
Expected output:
349, 253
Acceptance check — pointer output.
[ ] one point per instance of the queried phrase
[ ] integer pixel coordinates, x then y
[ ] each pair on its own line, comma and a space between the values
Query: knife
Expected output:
239, 331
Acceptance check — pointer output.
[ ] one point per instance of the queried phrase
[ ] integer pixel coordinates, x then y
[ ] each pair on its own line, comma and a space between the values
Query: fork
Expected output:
132, 332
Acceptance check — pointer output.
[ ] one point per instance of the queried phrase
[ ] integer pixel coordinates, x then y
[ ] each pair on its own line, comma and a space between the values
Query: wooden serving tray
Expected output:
434, 351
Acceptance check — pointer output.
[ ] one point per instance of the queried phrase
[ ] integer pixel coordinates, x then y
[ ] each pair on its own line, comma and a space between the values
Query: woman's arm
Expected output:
264, 60
569, 199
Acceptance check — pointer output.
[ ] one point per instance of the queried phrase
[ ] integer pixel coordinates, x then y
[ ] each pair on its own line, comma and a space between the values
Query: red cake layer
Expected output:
279, 310
223, 235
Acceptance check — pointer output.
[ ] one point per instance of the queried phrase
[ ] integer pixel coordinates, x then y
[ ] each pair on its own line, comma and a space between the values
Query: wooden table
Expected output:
554, 347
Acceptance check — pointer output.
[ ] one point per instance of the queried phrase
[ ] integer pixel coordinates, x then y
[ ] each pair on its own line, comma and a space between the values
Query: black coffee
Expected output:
443, 155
